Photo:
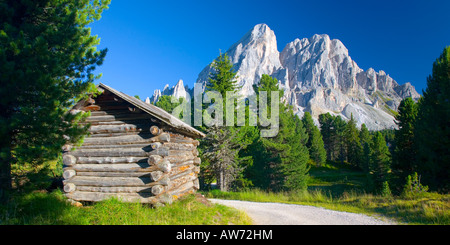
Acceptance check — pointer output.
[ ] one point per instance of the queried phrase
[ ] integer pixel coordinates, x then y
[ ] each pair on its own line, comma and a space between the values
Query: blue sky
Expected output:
153, 43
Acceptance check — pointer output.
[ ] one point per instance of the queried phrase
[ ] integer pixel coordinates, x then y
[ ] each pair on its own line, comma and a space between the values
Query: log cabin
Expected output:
135, 151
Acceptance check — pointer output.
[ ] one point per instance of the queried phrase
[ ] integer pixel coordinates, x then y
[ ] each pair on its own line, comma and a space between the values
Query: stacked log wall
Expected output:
130, 155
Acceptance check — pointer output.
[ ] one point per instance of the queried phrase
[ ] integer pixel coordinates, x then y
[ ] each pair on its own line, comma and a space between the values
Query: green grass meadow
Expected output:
40, 208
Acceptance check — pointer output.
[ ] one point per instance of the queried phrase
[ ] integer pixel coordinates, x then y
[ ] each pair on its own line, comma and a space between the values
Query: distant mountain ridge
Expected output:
318, 76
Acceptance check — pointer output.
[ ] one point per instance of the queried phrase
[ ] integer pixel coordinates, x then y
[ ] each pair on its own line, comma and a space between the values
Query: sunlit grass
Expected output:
429, 208
53, 209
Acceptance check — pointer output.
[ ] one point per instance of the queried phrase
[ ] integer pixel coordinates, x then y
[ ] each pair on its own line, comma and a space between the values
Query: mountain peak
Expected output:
256, 53
260, 29
318, 76
179, 90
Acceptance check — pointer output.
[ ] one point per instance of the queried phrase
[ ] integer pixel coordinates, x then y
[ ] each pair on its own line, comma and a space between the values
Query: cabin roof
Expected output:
156, 112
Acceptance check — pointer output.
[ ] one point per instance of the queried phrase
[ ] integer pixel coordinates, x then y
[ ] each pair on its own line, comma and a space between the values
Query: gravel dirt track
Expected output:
292, 214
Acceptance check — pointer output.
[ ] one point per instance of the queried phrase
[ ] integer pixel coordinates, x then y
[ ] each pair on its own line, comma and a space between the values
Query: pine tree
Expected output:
222, 151
223, 77
365, 141
339, 127
295, 163
326, 125
432, 128
47, 59
353, 144
333, 132
379, 161
315, 143
261, 172
223, 144
287, 153
404, 157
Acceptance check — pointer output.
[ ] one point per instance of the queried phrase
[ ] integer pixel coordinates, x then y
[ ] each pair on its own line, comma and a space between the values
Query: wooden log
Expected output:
156, 175
197, 169
155, 145
98, 113
180, 174
196, 184
164, 166
176, 159
176, 183
119, 189
110, 160
116, 140
157, 189
69, 160
182, 140
142, 146
125, 152
195, 152
162, 151
100, 196
100, 118
182, 189
154, 159
120, 167
120, 152
165, 181
179, 146
116, 174
155, 130
114, 107
163, 137
180, 153
69, 187
90, 101
109, 181
181, 164
196, 143
66, 148
107, 118
97, 135
123, 128
126, 139
91, 108
166, 198
197, 161
67, 174
142, 123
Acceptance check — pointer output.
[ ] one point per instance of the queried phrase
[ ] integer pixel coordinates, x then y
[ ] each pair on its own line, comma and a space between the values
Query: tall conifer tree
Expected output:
315, 143
380, 159
47, 59
404, 157
287, 151
353, 144
432, 130
365, 141
223, 144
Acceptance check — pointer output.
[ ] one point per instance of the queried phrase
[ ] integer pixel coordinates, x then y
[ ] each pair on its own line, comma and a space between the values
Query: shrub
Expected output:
413, 187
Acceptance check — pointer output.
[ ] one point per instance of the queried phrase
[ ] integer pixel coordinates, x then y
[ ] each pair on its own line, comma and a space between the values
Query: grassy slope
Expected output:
52, 209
